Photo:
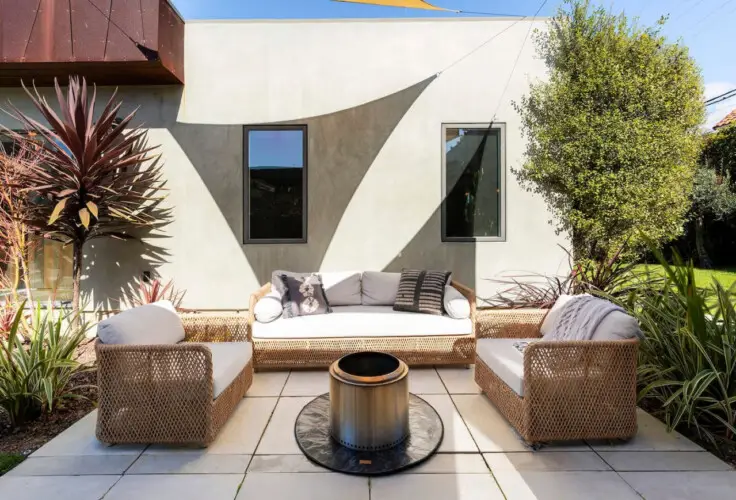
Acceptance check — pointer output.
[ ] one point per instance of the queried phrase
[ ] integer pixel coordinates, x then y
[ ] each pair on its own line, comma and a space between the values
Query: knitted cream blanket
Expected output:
579, 318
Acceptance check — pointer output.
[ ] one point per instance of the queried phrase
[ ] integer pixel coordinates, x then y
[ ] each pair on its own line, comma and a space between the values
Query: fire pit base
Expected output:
312, 431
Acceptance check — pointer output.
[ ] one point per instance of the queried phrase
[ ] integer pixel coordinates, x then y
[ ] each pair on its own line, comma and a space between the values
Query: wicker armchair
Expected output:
572, 389
164, 393
280, 354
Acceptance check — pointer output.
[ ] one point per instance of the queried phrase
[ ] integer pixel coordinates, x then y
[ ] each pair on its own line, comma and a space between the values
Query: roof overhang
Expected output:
110, 42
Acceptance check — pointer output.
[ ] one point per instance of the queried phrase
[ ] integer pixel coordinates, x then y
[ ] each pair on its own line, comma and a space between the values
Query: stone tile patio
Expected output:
256, 457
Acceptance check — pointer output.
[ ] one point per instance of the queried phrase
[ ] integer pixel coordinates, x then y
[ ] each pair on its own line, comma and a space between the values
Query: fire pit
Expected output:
369, 401
368, 424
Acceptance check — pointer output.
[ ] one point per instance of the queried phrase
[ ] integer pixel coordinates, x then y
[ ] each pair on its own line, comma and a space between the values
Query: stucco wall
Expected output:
374, 109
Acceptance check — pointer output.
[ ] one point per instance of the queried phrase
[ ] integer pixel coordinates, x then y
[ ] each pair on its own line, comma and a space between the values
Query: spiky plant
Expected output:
156, 290
98, 177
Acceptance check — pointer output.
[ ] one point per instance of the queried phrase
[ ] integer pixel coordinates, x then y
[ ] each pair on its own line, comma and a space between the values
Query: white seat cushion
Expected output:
156, 323
228, 360
362, 321
505, 360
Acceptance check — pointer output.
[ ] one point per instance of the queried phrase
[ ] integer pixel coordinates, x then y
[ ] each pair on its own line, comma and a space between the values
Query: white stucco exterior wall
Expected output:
252, 72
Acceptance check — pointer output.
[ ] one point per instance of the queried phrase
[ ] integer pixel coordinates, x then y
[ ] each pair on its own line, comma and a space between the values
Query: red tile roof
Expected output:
728, 120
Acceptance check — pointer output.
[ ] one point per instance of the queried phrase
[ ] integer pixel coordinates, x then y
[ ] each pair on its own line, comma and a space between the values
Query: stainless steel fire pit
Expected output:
368, 423
369, 401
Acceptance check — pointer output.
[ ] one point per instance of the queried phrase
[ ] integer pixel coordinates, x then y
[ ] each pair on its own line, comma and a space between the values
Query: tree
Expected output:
713, 194
97, 178
613, 133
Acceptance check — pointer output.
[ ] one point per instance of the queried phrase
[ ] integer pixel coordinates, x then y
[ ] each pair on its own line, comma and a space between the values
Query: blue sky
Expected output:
705, 26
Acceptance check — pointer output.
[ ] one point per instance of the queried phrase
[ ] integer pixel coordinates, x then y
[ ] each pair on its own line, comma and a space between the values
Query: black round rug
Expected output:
312, 431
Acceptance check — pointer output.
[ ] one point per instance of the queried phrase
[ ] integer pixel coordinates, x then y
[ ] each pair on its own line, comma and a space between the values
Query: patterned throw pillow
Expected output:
421, 291
305, 296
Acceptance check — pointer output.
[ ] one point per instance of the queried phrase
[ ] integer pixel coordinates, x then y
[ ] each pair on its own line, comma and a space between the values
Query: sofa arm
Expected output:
509, 323
469, 294
576, 375
204, 328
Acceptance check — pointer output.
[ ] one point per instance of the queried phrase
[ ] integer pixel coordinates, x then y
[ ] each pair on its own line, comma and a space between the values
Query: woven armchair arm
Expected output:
509, 323
129, 374
204, 328
574, 374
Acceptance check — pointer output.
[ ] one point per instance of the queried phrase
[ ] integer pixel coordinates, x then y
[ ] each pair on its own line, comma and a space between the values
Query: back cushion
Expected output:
342, 288
379, 288
617, 325
156, 323
552, 314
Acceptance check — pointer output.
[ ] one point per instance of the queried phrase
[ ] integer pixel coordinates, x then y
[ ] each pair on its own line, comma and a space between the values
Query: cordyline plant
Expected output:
148, 292
98, 177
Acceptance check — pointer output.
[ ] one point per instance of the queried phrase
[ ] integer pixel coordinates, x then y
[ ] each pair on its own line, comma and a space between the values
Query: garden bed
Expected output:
27, 438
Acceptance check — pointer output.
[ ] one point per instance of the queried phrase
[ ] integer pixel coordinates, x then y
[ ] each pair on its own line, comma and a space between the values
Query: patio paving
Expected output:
256, 457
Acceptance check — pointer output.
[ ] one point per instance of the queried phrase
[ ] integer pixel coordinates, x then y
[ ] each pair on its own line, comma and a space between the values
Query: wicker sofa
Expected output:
569, 390
290, 343
180, 393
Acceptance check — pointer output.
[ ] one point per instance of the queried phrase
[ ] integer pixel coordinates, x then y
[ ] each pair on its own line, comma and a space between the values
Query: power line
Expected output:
719, 98
707, 16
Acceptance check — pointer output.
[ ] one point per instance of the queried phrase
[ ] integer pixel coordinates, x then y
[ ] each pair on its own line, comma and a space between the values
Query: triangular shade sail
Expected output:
409, 4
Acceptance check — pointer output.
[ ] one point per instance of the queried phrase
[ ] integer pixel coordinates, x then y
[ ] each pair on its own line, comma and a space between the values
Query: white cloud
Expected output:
716, 112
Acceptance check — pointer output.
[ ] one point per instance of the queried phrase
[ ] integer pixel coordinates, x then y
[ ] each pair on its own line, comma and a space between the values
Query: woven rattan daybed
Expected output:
290, 349
571, 390
168, 393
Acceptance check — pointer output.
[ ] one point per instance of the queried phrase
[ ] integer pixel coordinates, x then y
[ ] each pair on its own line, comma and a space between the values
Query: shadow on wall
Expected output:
112, 267
342, 147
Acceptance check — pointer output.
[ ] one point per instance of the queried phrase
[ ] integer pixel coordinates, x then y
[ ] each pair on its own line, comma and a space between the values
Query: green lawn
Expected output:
8, 461
703, 277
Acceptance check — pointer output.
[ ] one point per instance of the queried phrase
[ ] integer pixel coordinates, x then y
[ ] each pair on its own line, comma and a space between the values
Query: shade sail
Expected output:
409, 4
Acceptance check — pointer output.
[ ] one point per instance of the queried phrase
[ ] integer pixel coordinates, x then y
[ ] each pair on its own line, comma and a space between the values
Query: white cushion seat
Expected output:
228, 360
504, 360
362, 321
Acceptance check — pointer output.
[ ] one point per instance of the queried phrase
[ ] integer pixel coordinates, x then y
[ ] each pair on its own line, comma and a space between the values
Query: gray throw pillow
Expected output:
305, 296
421, 291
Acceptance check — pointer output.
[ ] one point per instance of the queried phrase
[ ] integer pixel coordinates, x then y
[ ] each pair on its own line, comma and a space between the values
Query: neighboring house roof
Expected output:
728, 120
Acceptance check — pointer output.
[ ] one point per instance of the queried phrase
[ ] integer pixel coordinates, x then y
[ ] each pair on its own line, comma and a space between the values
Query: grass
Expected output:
9, 460
703, 277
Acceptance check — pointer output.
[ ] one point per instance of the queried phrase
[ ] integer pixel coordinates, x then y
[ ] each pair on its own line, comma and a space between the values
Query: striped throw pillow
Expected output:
421, 291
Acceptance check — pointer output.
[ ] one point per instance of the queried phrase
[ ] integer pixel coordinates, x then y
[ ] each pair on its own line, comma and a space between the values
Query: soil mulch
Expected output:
27, 438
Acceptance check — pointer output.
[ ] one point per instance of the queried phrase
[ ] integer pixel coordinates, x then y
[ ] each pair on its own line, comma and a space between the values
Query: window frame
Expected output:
501, 127
247, 240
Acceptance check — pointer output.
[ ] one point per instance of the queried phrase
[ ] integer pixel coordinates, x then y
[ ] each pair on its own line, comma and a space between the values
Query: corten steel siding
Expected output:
134, 42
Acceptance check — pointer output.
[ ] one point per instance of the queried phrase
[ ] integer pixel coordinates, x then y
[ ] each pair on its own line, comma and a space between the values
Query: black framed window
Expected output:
275, 183
473, 176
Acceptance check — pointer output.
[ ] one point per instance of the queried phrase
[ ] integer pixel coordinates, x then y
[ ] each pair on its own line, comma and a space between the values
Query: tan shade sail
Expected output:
409, 4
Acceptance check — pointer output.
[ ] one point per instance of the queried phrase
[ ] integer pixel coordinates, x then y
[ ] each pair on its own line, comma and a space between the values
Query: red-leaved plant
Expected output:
154, 291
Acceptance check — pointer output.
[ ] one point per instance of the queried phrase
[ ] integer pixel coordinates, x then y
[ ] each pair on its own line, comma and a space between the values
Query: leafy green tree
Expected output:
713, 194
613, 136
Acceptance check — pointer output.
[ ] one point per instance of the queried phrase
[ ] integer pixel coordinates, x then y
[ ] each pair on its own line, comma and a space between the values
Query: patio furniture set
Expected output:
176, 379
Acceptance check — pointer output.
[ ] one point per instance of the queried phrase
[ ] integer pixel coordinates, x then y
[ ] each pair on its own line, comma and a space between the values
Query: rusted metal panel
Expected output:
171, 40
16, 21
51, 36
114, 41
89, 46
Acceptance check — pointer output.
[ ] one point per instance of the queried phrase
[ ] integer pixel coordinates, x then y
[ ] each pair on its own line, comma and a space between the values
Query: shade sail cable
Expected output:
423, 5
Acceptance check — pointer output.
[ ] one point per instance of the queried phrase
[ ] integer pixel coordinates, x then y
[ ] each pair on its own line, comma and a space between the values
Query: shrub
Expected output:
35, 370
688, 356
615, 277
155, 290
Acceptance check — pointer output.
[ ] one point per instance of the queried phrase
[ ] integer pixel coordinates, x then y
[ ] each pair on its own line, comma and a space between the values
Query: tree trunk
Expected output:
77, 278
703, 257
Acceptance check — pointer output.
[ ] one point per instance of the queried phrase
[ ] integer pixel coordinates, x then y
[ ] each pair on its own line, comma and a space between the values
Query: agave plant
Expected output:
155, 291
98, 177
